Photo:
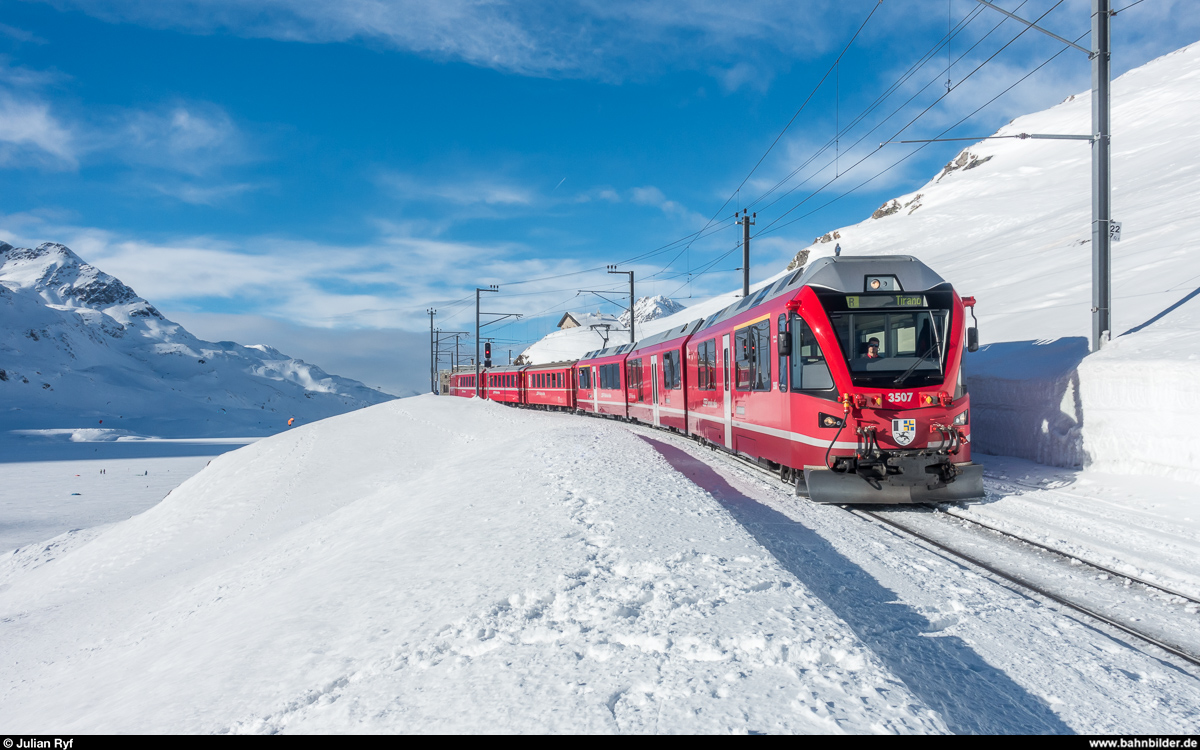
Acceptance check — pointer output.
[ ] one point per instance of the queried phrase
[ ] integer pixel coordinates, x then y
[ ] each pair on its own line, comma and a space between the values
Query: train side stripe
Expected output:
783, 434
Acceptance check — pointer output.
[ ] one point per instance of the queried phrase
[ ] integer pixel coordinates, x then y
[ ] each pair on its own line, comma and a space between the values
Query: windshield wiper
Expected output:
900, 380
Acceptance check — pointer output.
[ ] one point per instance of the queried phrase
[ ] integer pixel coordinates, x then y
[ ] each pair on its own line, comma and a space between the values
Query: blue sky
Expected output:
315, 175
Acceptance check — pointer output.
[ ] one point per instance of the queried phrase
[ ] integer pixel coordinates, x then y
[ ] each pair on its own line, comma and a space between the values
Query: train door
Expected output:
727, 396
654, 387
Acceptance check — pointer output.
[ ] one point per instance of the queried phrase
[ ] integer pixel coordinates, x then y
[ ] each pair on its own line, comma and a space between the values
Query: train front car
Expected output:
890, 334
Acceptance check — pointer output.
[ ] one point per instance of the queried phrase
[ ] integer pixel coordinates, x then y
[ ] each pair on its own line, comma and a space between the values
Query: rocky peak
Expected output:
61, 276
651, 308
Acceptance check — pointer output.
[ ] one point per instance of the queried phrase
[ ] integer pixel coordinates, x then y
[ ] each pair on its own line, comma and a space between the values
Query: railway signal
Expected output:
487, 354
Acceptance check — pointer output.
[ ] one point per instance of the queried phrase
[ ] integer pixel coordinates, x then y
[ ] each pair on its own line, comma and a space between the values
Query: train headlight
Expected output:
962, 417
828, 420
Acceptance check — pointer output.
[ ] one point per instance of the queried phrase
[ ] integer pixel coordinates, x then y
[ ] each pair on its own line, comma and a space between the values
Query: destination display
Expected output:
868, 302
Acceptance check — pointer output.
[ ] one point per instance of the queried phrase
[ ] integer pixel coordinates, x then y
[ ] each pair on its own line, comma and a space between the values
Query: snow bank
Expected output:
432, 565
1140, 398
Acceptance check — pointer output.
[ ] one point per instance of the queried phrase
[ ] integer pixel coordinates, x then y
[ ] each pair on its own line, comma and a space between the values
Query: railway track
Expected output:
895, 519
1091, 611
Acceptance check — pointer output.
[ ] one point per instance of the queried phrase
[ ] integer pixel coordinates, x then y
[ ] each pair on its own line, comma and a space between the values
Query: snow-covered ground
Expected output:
438, 564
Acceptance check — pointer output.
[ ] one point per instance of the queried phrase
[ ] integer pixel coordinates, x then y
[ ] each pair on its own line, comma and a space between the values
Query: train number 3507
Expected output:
899, 398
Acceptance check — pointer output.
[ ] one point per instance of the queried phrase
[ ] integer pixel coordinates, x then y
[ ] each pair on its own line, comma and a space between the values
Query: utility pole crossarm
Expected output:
1020, 136
503, 316
1034, 26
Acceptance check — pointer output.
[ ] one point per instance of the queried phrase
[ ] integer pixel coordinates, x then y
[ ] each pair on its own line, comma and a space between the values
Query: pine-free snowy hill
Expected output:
80, 350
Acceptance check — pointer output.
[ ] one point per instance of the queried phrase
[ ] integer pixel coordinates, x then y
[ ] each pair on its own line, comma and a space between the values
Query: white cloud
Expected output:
194, 138
464, 192
205, 195
30, 134
587, 38
652, 196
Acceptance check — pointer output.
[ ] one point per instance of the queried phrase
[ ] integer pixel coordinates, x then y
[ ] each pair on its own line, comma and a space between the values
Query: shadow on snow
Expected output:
971, 696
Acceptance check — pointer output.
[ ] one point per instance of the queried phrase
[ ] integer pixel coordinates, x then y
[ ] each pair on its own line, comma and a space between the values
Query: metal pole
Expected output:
746, 224
477, 343
478, 385
432, 353
1101, 176
632, 301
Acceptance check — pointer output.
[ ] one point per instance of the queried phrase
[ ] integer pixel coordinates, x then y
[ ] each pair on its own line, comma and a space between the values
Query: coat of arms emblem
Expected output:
904, 430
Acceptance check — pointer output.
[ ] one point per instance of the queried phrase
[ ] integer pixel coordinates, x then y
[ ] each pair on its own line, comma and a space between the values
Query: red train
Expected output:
846, 377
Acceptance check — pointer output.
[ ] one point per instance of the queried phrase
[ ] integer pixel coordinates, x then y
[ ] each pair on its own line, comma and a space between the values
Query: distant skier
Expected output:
837, 250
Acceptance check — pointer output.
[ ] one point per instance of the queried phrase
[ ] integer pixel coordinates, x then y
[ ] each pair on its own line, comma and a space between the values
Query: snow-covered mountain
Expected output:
80, 349
651, 308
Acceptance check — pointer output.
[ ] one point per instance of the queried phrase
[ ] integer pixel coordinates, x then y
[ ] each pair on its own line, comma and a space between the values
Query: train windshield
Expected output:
893, 348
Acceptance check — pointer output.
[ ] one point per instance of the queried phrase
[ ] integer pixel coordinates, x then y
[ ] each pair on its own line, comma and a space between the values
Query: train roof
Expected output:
550, 365
621, 349
838, 274
671, 333
850, 274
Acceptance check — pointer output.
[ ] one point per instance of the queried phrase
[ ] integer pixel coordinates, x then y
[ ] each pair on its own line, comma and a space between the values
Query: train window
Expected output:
752, 349
706, 365
633, 378
583, 378
670, 370
810, 371
881, 347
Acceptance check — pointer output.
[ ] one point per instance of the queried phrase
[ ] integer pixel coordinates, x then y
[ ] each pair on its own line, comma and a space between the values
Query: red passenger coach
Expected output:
463, 384
603, 374
655, 379
549, 386
504, 385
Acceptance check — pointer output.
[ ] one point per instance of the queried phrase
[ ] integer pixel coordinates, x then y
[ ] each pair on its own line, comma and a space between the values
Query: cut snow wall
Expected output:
1141, 416
1026, 400
1050, 402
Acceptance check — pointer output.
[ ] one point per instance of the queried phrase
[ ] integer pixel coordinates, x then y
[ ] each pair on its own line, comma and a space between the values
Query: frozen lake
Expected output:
50, 485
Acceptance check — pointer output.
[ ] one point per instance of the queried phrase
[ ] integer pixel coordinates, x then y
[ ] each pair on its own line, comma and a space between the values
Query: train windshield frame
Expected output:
912, 333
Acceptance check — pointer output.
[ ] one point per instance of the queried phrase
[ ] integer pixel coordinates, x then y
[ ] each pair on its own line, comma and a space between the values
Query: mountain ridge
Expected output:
96, 353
